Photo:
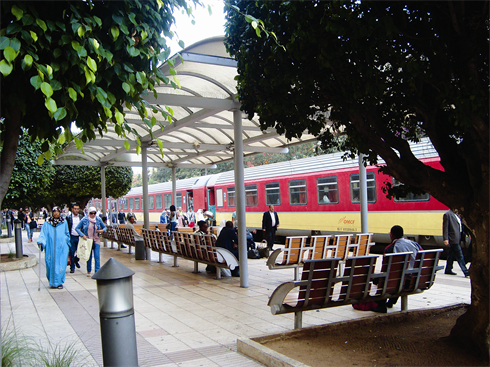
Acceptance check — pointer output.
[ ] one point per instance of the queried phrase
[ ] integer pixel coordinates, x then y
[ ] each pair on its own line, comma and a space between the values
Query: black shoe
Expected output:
235, 273
467, 275
72, 271
122, 246
389, 304
380, 309
450, 272
76, 262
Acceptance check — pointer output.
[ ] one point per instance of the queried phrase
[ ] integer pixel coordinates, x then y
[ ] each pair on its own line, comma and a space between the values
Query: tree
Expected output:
43, 185
387, 73
77, 61
30, 182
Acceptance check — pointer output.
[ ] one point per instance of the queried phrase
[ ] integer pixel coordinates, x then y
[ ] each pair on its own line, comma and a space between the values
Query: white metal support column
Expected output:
102, 191
240, 198
363, 195
174, 188
144, 175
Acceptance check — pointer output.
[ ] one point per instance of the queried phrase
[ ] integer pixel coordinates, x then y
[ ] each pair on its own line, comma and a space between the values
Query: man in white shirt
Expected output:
270, 222
73, 219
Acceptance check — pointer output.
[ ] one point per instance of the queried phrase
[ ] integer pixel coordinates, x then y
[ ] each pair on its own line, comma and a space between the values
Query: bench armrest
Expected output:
271, 261
229, 258
277, 297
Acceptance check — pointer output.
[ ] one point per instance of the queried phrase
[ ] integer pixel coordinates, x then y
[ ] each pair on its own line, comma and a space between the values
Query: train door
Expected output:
190, 200
211, 201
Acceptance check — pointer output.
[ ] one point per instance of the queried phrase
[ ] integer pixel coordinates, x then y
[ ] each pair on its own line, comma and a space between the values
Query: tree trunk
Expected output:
7, 156
472, 328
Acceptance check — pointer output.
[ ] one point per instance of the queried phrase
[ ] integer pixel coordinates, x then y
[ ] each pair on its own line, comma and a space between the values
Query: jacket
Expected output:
451, 228
267, 221
82, 227
69, 221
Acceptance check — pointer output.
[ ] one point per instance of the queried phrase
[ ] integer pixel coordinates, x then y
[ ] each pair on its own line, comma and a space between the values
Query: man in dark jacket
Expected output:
72, 220
451, 234
270, 222
228, 239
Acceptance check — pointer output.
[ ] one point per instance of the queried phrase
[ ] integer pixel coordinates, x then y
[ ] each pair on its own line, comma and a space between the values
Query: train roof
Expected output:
187, 183
332, 161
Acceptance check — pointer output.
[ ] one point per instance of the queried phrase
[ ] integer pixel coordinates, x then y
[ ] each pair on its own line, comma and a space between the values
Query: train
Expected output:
316, 195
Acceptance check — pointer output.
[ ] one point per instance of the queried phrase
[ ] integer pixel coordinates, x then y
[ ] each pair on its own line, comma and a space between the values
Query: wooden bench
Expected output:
190, 246
321, 286
293, 255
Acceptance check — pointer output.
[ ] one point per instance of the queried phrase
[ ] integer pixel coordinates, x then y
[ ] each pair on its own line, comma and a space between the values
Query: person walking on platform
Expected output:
54, 239
91, 227
451, 234
121, 217
270, 222
73, 219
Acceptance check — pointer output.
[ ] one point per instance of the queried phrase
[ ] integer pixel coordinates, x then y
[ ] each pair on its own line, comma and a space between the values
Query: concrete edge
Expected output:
264, 355
28, 261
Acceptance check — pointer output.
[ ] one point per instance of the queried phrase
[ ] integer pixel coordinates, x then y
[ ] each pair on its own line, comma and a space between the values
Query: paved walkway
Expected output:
182, 319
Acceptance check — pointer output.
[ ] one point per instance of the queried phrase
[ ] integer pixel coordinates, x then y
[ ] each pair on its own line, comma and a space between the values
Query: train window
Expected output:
411, 196
328, 190
355, 186
136, 203
130, 200
167, 200
231, 196
251, 195
151, 200
159, 201
272, 193
219, 197
297, 192
178, 201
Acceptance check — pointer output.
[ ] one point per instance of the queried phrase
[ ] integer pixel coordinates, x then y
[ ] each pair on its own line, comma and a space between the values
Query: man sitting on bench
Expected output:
130, 224
398, 244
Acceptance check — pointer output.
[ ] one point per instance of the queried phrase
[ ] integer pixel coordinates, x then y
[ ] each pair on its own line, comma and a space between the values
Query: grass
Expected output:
21, 350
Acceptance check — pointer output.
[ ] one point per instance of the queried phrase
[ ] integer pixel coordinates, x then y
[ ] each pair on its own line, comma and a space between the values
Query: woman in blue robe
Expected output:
55, 241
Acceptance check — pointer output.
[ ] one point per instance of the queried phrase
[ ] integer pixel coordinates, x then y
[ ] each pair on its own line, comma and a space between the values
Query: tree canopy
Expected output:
77, 62
383, 74
44, 185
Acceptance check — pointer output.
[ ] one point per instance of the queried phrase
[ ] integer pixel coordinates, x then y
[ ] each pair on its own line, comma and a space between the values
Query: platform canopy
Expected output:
201, 131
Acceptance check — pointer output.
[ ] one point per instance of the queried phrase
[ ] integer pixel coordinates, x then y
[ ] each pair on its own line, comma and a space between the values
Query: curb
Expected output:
28, 261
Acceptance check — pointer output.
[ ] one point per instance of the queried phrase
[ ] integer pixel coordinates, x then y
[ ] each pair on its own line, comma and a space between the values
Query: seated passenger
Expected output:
130, 224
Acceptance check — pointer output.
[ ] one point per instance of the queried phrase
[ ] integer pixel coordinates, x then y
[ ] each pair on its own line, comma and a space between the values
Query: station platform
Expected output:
182, 318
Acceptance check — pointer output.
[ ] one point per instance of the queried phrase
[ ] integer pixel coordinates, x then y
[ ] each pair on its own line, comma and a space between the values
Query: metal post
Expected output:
117, 326
146, 207
9, 227
102, 190
363, 195
174, 188
240, 198
18, 239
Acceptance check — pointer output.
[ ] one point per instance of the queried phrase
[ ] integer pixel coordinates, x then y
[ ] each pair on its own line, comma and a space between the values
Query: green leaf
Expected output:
73, 94
126, 87
15, 44
144, 34
115, 32
119, 117
51, 105
89, 76
47, 154
4, 42
81, 32
60, 114
5, 68
57, 53
91, 64
18, 13
181, 44
33, 35
153, 121
13, 28
40, 160
28, 60
61, 139
42, 24
257, 31
36, 81
46, 89
78, 143
134, 52
9, 54
127, 145
138, 149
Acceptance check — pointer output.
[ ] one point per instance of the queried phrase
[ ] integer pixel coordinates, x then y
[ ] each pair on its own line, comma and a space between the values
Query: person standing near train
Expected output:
270, 222
451, 233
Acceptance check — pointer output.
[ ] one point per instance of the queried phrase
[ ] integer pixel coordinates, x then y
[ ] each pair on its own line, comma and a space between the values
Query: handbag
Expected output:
33, 224
253, 254
168, 225
84, 248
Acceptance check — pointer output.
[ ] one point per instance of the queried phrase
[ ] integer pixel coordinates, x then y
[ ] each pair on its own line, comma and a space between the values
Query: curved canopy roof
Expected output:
201, 131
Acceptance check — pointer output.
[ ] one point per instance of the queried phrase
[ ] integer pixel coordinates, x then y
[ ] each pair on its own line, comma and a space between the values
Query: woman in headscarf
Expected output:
91, 227
54, 239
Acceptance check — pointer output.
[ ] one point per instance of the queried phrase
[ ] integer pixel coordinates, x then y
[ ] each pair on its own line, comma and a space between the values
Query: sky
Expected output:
205, 26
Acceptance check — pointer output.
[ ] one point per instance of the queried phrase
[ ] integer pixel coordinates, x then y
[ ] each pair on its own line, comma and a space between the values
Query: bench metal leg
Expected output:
296, 274
112, 244
175, 262
160, 257
129, 249
218, 273
119, 246
196, 267
404, 303
298, 319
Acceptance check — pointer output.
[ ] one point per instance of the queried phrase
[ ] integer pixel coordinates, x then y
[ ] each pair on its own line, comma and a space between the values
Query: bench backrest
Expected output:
321, 248
294, 250
342, 242
424, 270
393, 273
356, 279
318, 277
361, 244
